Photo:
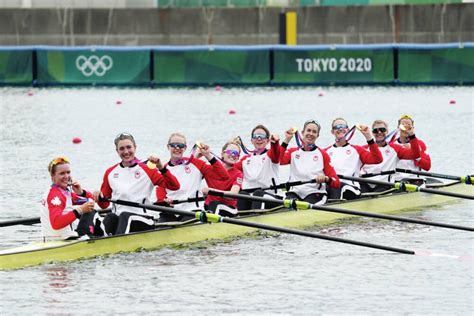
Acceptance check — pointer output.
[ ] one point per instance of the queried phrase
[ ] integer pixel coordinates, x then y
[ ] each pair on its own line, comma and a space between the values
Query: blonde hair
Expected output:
338, 119
379, 122
231, 142
53, 164
177, 134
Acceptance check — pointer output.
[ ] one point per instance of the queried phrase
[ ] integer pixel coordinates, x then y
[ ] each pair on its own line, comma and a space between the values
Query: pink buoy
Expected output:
218, 88
452, 101
232, 112
118, 102
76, 140
320, 94
30, 94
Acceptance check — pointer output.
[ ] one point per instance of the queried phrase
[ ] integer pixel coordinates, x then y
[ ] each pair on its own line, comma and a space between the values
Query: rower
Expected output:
347, 159
220, 205
261, 168
134, 181
421, 163
308, 162
67, 210
190, 172
391, 154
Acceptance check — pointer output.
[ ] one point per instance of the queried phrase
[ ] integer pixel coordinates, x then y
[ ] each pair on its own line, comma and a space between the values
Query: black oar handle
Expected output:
469, 179
189, 200
285, 185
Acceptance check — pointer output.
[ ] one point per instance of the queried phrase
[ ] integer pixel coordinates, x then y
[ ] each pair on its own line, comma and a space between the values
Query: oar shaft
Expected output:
389, 217
306, 205
408, 187
24, 221
314, 235
217, 218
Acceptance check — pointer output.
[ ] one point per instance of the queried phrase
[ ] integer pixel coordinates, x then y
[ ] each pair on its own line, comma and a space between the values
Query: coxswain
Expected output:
67, 210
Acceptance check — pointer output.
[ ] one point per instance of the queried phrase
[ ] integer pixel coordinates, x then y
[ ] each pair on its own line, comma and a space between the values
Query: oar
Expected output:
286, 185
401, 186
302, 205
213, 218
35, 220
465, 179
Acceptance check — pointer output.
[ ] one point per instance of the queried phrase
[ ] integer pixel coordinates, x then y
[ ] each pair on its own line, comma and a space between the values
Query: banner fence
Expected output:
239, 65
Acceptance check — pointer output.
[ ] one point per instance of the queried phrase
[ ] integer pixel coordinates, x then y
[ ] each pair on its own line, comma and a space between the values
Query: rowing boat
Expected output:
57, 251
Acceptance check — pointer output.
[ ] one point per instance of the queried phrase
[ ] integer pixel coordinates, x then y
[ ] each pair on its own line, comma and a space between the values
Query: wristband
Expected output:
76, 213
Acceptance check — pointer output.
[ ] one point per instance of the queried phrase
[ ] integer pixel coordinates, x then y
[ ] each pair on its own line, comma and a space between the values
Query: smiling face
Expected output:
379, 130
62, 175
339, 129
310, 133
260, 138
176, 146
231, 154
126, 151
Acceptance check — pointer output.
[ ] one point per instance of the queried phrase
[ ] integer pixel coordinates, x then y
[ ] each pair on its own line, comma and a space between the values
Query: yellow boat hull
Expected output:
57, 251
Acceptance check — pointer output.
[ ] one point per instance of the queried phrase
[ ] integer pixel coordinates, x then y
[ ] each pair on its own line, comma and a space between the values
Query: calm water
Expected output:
266, 275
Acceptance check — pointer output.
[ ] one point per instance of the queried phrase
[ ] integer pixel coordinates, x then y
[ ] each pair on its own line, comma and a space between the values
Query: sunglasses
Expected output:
313, 122
232, 152
57, 161
177, 145
379, 130
259, 136
123, 136
339, 126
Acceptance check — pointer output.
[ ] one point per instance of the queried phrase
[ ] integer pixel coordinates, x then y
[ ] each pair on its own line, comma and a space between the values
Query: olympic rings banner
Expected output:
16, 66
91, 66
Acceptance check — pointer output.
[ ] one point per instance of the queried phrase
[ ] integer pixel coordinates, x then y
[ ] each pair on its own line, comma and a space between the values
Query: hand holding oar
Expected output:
209, 217
464, 179
401, 186
35, 220
302, 205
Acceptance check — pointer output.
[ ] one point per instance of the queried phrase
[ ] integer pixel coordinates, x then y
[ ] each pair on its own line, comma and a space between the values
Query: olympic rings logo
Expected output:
94, 65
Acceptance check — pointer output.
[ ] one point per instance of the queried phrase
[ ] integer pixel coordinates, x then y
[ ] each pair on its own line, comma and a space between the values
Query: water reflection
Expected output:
58, 279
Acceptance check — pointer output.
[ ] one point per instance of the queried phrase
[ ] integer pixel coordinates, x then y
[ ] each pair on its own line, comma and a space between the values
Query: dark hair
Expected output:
260, 126
312, 122
123, 136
